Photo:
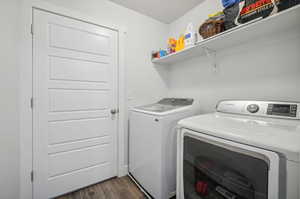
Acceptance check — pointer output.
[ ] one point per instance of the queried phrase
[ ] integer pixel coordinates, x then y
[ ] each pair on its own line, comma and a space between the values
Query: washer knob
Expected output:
253, 108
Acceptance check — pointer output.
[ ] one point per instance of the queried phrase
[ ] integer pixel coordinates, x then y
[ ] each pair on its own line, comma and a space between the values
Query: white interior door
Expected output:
75, 87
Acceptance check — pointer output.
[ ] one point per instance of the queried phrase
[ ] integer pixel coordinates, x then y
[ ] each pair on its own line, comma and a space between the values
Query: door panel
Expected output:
79, 144
62, 100
75, 86
63, 116
68, 131
73, 38
76, 179
69, 85
78, 70
64, 162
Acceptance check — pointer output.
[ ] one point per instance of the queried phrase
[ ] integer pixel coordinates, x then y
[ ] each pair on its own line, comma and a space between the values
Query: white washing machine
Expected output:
247, 149
152, 145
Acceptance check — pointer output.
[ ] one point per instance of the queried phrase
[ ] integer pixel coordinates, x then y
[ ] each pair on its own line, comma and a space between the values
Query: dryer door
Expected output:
220, 169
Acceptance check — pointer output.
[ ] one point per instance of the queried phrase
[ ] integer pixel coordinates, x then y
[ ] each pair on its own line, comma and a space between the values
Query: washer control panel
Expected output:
288, 110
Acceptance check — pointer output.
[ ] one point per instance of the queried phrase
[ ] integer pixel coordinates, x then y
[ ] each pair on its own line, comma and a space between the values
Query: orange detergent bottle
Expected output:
180, 43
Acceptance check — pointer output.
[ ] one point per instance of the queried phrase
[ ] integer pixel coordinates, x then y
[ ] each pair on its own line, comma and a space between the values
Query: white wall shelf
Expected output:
283, 21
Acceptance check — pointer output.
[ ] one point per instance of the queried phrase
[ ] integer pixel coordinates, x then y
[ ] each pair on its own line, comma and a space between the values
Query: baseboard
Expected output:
172, 194
140, 187
123, 171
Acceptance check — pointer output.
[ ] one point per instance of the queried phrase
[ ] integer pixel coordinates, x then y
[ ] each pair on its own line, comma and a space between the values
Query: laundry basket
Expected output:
211, 27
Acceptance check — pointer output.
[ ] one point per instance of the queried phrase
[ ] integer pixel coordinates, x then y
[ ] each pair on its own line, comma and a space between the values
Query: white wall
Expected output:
266, 69
9, 136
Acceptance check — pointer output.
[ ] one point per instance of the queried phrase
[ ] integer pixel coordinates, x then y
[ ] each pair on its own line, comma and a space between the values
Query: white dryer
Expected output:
247, 149
152, 145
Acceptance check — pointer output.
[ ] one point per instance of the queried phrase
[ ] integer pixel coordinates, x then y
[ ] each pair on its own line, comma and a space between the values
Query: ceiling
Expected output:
165, 11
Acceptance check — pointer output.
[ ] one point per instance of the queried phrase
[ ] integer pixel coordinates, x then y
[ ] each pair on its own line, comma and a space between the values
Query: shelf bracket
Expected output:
212, 55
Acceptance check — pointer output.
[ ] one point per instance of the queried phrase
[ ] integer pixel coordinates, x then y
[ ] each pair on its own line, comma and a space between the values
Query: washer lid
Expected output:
166, 106
279, 135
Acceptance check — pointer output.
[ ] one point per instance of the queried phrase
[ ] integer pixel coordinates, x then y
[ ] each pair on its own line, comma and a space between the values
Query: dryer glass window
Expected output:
215, 172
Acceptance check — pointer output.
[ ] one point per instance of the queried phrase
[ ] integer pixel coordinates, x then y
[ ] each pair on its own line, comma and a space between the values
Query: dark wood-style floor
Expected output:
116, 188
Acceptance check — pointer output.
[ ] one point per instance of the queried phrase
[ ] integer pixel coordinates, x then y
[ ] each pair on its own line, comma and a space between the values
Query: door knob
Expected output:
113, 111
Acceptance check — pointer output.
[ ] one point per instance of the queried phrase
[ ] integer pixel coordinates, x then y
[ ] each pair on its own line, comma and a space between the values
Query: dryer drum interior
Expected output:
213, 172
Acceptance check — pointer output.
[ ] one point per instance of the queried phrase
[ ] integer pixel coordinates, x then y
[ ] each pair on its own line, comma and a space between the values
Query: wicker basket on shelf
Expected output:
211, 27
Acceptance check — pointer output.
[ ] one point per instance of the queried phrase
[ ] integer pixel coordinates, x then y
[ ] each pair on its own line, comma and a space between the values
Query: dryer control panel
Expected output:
287, 110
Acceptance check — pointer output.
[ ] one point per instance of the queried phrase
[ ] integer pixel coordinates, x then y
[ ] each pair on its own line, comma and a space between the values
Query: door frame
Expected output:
26, 89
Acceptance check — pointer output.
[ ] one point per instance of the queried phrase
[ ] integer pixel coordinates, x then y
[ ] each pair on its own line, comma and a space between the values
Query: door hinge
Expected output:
31, 103
31, 176
31, 29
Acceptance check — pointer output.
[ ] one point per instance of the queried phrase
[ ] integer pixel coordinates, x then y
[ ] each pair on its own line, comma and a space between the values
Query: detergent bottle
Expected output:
190, 36
180, 43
